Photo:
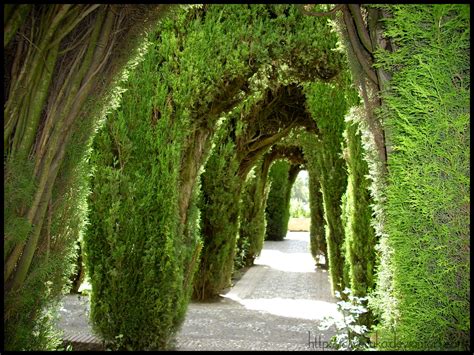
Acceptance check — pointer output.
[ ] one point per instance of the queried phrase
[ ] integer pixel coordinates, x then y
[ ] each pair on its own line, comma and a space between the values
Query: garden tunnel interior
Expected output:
165, 140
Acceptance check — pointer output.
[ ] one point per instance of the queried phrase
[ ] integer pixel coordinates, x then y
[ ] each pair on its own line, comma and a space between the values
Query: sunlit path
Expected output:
276, 305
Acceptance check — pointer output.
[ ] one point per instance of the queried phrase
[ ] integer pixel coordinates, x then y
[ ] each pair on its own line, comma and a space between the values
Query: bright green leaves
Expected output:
426, 112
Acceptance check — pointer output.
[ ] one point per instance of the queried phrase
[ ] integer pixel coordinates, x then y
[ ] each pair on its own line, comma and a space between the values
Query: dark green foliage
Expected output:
316, 233
219, 207
139, 262
277, 211
327, 104
360, 235
133, 242
252, 218
427, 114
267, 114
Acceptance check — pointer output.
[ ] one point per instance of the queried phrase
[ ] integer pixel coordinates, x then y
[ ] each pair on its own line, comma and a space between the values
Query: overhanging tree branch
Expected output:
361, 29
357, 46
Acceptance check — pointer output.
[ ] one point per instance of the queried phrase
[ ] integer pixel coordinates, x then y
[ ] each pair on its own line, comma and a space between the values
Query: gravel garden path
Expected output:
275, 305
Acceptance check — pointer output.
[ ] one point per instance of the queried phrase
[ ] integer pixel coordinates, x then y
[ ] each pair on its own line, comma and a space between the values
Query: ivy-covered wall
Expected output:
423, 294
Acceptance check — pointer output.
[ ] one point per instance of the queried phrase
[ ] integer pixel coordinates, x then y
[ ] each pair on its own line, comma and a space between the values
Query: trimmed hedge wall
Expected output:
427, 114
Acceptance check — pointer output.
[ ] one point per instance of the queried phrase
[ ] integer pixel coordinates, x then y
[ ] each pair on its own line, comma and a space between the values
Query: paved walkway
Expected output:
276, 305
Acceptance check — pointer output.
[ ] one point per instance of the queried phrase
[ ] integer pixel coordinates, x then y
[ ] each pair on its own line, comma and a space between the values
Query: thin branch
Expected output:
357, 47
79, 18
78, 41
14, 22
361, 29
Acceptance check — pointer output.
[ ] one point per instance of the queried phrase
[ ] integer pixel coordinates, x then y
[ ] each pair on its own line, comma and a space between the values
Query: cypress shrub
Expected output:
140, 258
427, 116
254, 199
282, 177
360, 240
252, 217
219, 205
318, 245
277, 211
133, 243
327, 104
255, 133
316, 232
359, 234
175, 99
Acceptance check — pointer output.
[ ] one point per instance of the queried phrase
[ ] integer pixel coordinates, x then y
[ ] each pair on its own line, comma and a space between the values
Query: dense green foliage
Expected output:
329, 116
133, 246
317, 232
277, 211
176, 191
219, 207
359, 245
244, 146
163, 108
272, 107
252, 217
254, 199
427, 118
359, 234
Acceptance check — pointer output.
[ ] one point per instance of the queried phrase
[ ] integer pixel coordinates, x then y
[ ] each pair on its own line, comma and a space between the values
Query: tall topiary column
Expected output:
219, 205
282, 176
316, 233
327, 104
360, 235
252, 216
